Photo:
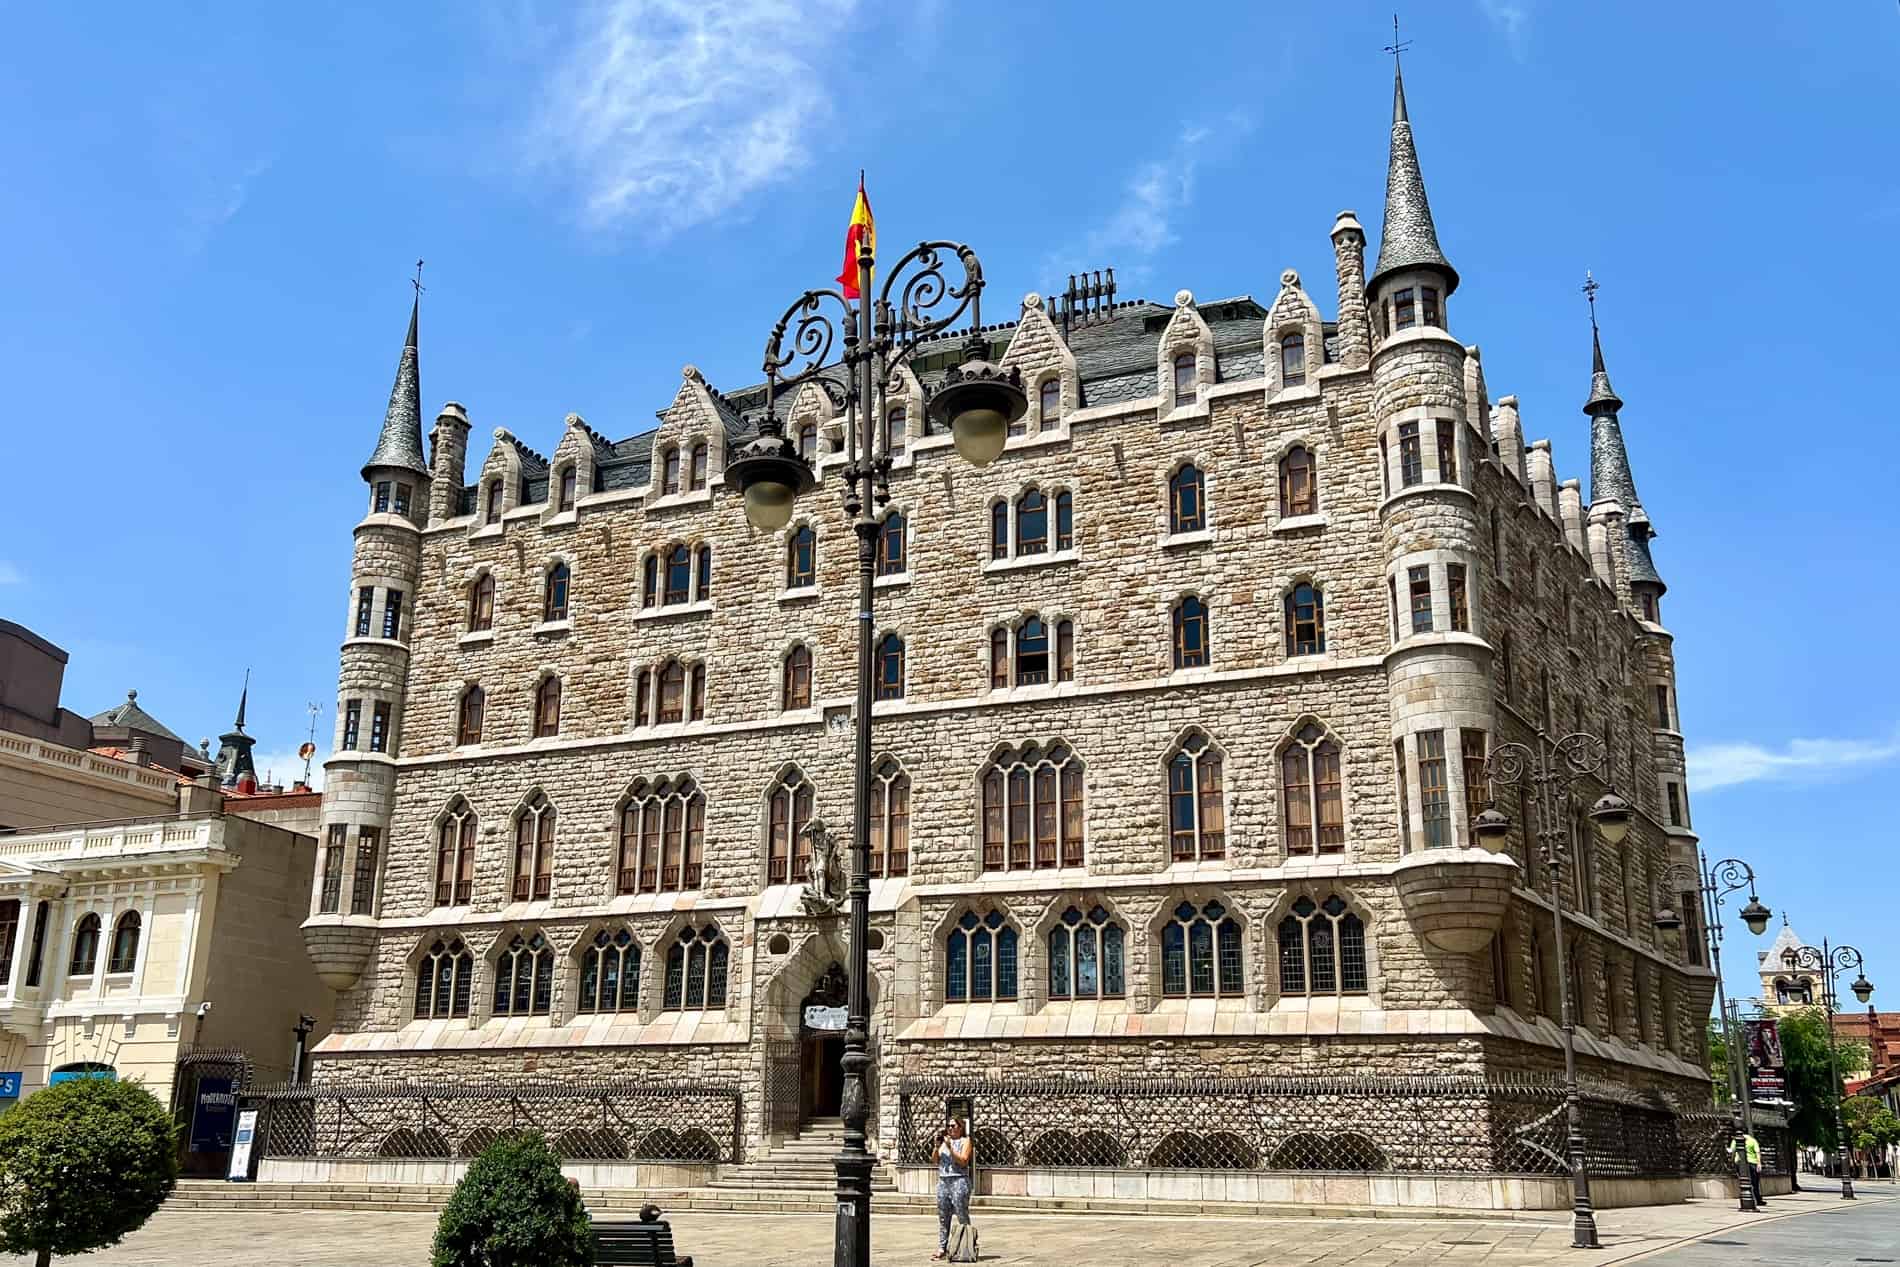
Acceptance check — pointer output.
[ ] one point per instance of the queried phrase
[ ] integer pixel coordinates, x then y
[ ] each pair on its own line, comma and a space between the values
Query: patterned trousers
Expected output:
953, 1197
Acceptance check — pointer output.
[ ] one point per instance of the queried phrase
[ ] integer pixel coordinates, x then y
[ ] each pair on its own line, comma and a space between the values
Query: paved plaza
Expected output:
1813, 1227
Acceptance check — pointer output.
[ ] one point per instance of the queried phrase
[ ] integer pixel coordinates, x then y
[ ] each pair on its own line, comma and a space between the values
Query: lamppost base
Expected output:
1583, 1230
851, 1241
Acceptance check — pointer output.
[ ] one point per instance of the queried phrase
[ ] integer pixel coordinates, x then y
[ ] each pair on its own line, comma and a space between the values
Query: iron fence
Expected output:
1439, 1125
604, 1121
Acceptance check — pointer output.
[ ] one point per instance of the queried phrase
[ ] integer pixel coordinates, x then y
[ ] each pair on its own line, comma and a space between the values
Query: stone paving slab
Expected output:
349, 1239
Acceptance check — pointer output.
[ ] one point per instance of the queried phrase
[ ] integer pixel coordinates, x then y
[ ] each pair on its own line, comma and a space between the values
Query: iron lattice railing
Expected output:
603, 1121
1442, 1125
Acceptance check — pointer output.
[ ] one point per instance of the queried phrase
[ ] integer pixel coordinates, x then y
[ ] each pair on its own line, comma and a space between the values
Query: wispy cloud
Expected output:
10, 574
1512, 18
1728, 764
666, 113
1156, 193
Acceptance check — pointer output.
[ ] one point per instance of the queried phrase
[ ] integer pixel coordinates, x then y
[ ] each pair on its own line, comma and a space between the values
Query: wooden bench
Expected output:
648, 1243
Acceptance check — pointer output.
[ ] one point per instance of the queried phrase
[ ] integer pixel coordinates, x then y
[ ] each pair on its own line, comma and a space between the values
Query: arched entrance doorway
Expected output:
821, 1024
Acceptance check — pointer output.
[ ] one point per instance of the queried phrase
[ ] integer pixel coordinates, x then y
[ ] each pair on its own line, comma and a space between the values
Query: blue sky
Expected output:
212, 213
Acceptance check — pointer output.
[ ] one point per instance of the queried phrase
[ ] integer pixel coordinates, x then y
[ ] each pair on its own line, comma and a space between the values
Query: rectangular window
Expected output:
379, 729
1662, 708
392, 614
1405, 799
1419, 580
494, 503
1477, 783
1447, 451
382, 496
363, 881
1674, 791
331, 893
1404, 312
1434, 797
352, 722
402, 499
1428, 306
1411, 464
1460, 605
365, 599
1392, 585
1385, 467
570, 479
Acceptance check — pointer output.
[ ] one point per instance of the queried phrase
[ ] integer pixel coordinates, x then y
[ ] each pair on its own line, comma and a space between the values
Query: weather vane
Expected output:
417, 283
1590, 288
1397, 45
309, 748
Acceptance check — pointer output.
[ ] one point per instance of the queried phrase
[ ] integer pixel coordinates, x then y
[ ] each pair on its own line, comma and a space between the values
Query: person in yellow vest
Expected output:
1747, 1146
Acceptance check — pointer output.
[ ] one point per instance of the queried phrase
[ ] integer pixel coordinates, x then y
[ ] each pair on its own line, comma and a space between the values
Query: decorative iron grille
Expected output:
603, 1121
1443, 1125
784, 1085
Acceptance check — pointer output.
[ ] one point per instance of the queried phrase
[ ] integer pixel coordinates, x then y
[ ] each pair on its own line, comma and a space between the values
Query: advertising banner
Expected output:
1766, 1079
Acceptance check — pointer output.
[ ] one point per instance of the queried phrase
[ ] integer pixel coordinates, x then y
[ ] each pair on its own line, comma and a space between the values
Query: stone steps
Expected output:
803, 1164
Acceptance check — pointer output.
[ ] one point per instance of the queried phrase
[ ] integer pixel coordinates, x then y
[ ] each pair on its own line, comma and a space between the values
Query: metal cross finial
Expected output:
1590, 289
1397, 45
417, 283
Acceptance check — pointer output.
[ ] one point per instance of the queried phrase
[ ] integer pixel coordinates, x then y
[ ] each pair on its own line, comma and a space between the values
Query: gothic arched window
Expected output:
1049, 402
1183, 379
1305, 620
534, 850
892, 559
679, 575
443, 977
890, 819
670, 471
662, 837
702, 573
894, 427
795, 683
999, 530
671, 706
1299, 483
808, 443
610, 974
979, 960
697, 965
1313, 813
570, 484
1187, 505
468, 725
788, 813
1201, 953
1197, 818
554, 593
801, 559
1086, 953
547, 708
1190, 633
455, 855
1032, 523
1322, 949
889, 682
524, 977
1292, 360
696, 474
1032, 809
481, 603
650, 581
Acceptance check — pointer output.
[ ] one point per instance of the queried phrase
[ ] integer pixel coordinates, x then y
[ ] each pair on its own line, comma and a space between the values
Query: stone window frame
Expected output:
937, 998
661, 952
1054, 621
905, 392
545, 675
1013, 559
901, 576
1177, 747
557, 483
1289, 738
543, 849
459, 809
1004, 757
423, 948
1164, 521
815, 526
1033, 990
780, 690
786, 777
884, 634
1172, 629
1432, 421
1436, 562
1292, 312
644, 693
471, 583
1316, 580
549, 623
1186, 333
470, 688
1154, 988
683, 786
1317, 889
571, 967
488, 974
698, 558
1317, 449
888, 771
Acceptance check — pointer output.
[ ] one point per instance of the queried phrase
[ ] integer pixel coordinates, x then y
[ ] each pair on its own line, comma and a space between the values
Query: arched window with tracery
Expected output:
610, 973
1322, 949
1086, 955
1191, 649
524, 976
889, 682
890, 819
979, 959
443, 977
801, 559
554, 593
1305, 620
662, 837
1197, 816
1201, 953
697, 965
795, 679
455, 855
892, 557
468, 717
125, 943
1299, 483
481, 603
1313, 814
547, 707
1184, 387
1187, 504
1032, 809
788, 812
534, 850
1293, 360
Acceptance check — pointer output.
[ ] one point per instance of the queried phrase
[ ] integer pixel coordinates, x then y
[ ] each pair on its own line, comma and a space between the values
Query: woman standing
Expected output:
955, 1152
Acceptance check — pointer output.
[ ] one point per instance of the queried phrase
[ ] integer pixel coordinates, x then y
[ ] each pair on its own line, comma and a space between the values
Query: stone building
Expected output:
1181, 719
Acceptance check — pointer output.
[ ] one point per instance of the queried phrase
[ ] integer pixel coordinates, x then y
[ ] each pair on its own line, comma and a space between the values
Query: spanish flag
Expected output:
862, 230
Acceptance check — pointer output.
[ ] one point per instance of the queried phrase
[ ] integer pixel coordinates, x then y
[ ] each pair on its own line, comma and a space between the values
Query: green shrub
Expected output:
81, 1165
514, 1208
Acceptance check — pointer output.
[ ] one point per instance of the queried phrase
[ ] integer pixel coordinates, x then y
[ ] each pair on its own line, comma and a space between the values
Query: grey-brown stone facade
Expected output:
1516, 627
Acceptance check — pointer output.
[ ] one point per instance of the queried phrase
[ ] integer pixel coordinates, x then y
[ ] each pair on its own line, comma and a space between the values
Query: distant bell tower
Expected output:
236, 770
360, 775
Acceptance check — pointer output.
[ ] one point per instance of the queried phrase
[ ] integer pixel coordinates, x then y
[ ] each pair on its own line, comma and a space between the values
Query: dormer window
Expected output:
1292, 360
808, 442
493, 514
670, 472
696, 475
1428, 306
1184, 388
1404, 310
893, 438
1051, 403
569, 486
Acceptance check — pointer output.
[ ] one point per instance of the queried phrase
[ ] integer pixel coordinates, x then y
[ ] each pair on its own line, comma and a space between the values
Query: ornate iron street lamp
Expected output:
1545, 771
977, 401
1830, 961
1712, 885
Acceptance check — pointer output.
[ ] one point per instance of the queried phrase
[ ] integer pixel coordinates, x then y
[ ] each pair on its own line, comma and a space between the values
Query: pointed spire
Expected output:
244, 698
235, 765
1408, 239
400, 444
1602, 395
1611, 478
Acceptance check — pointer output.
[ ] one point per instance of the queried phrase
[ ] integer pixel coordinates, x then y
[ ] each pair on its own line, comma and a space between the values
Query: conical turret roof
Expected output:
400, 444
1408, 239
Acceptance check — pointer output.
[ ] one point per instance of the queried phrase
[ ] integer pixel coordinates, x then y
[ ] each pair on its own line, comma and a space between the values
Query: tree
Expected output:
514, 1208
1870, 1125
81, 1165
1811, 1084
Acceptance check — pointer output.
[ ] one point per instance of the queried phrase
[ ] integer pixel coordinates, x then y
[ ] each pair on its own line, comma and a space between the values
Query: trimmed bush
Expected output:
514, 1208
81, 1165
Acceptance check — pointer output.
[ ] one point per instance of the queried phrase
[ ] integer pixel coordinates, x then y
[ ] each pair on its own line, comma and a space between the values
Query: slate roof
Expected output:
1408, 238
1610, 474
131, 717
400, 444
